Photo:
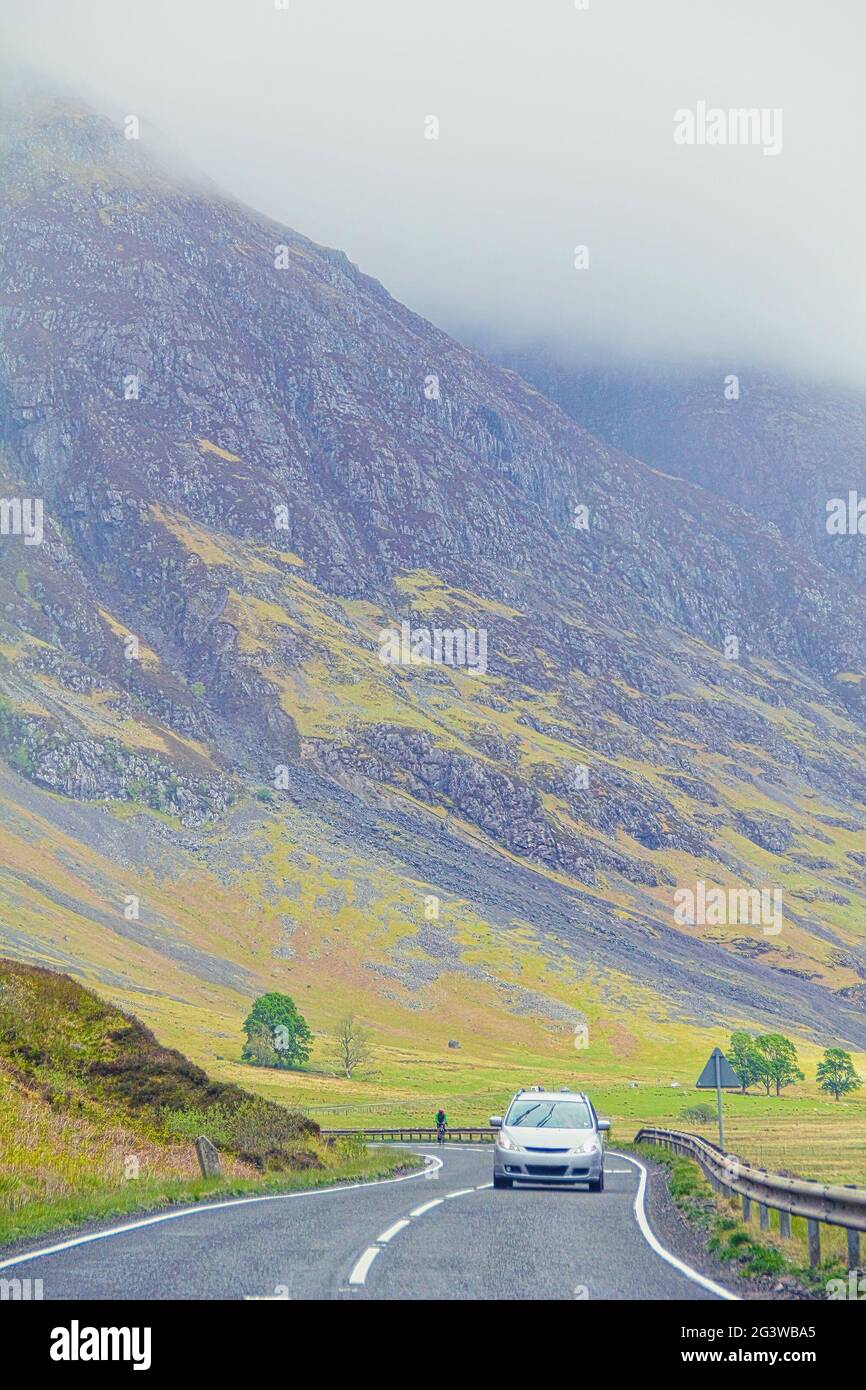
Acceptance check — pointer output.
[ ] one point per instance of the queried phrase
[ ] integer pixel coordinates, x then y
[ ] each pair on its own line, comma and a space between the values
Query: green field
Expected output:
802, 1131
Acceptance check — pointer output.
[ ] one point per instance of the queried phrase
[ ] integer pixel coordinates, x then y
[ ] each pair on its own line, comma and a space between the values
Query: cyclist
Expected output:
441, 1122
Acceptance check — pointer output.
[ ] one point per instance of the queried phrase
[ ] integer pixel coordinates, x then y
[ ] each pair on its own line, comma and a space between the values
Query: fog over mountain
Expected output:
556, 130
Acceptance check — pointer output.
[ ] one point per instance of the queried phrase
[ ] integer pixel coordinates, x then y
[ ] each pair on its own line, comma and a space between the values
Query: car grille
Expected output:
547, 1170
531, 1150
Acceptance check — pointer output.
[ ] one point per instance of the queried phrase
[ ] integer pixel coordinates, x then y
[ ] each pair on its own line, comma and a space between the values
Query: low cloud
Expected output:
511, 169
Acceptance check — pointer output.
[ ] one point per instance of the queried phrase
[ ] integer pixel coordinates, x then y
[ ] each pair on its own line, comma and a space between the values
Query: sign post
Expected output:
718, 1073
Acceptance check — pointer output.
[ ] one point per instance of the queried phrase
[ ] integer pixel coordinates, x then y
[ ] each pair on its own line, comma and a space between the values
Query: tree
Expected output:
277, 1035
259, 1048
778, 1058
745, 1058
351, 1047
836, 1073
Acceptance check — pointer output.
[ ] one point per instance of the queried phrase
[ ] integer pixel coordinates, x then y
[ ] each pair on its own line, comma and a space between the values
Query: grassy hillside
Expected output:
97, 1118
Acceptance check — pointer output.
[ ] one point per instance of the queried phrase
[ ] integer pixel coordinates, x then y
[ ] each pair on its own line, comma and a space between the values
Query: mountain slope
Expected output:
253, 461
780, 448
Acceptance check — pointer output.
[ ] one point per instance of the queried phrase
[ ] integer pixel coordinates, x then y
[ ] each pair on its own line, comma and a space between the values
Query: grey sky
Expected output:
556, 129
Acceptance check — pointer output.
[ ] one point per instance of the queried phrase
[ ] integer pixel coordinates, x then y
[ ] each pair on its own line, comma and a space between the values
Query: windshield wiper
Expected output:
522, 1118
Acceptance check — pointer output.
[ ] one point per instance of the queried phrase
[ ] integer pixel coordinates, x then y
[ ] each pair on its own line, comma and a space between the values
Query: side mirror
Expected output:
495, 1121
603, 1126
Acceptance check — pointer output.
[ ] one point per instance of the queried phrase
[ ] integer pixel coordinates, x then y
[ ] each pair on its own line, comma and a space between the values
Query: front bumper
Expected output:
547, 1167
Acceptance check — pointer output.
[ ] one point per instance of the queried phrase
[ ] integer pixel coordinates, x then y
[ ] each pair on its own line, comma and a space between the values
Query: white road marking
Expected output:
481, 1147
481, 1186
468, 1148
361, 1270
359, 1273
618, 1170
654, 1244
392, 1231
203, 1208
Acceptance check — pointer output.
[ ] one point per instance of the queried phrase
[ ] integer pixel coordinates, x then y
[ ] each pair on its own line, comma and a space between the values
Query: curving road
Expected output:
441, 1234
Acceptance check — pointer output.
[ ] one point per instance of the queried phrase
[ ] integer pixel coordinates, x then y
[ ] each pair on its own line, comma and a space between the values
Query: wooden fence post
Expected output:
853, 1249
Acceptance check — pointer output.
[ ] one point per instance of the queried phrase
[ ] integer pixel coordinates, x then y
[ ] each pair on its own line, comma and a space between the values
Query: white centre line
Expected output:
468, 1148
362, 1268
392, 1231
428, 1206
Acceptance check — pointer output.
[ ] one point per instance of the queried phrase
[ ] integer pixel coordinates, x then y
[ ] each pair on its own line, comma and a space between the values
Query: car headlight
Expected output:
589, 1146
505, 1143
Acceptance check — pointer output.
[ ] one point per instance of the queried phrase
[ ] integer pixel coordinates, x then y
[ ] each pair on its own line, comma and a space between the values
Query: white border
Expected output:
654, 1244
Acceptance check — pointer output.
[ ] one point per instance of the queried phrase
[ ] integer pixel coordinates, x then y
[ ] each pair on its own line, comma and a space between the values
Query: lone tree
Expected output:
836, 1073
277, 1035
351, 1047
259, 1048
778, 1061
745, 1059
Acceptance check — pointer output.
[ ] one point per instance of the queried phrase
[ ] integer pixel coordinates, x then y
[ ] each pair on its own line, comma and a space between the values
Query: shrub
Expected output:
698, 1114
258, 1131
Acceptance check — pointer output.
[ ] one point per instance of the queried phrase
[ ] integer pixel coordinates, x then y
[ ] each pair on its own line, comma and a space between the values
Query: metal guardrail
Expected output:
830, 1205
408, 1133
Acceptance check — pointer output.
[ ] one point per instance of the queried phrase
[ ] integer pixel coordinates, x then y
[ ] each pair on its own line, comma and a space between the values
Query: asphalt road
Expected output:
444, 1234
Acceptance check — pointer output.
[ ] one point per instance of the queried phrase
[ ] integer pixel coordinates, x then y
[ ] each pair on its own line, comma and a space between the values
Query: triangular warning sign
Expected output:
727, 1076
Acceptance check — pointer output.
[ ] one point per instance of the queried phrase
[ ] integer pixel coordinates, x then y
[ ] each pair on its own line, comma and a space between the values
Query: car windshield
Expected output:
550, 1114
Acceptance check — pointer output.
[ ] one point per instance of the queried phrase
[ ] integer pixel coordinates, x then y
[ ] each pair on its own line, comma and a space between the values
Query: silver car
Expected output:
549, 1137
